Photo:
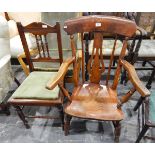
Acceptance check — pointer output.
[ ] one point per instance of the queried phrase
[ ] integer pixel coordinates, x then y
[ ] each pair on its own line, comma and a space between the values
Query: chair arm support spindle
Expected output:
139, 86
60, 74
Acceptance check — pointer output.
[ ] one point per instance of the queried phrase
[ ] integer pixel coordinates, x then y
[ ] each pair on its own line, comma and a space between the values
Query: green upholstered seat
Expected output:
34, 87
152, 107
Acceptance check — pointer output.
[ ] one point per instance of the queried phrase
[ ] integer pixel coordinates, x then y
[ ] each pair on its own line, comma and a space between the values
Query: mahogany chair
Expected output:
32, 91
54, 66
95, 99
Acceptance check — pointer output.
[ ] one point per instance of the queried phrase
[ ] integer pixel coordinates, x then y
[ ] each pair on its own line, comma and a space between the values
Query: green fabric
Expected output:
152, 107
34, 87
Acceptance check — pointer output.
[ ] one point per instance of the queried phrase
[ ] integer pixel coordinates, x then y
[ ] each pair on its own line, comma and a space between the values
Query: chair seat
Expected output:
152, 108
34, 87
107, 47
94, 101
147, 48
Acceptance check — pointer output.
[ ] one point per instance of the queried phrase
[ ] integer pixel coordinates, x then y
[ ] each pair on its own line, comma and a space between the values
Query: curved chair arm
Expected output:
143, 32
60, 74
22, 63
134, 79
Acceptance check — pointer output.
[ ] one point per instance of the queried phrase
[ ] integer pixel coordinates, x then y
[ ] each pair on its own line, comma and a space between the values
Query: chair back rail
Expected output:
99, 25
40, 31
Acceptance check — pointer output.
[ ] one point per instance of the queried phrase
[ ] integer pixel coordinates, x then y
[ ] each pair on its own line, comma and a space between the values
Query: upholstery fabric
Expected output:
4, 33
13, 30
16, 45
29, 17
147, 48
34, 87
107, 47
6, 76
152, 107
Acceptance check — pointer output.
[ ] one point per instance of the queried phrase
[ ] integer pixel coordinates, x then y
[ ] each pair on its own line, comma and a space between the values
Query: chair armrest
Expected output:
22, 63
60, 74
134, 79
143, 32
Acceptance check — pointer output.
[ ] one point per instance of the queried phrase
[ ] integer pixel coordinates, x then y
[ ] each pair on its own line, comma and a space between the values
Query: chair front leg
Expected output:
117, 131
67, 124
22, 116
62, 116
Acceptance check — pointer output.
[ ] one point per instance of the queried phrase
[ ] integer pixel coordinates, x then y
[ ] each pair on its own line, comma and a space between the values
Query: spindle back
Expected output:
41, 31
99, 25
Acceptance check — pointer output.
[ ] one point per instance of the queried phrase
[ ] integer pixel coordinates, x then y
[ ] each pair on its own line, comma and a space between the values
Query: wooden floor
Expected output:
82, 131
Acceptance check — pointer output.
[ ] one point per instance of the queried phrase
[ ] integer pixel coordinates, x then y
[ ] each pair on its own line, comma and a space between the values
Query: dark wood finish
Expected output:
6, 16
40, 30
91, 23
134, 79
93, 99
146, 124
134, 47
148, 86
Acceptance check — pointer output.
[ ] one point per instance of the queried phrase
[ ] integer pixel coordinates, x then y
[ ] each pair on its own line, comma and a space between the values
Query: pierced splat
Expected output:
95, 64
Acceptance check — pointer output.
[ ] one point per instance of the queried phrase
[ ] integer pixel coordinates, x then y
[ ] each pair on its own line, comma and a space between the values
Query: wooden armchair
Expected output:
95, 99
32, 91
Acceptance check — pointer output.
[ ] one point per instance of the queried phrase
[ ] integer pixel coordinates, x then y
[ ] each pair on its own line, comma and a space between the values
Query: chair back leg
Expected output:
142, 133
67, 124
117, 131
22, 116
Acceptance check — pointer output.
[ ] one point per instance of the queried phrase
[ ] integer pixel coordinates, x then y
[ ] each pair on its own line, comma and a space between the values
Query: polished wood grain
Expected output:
61, 74
96, 99
106, 24
139, 86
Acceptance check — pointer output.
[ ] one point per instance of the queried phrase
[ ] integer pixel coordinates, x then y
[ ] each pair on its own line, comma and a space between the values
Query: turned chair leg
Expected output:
117, 131
22, 116
67, 124
142, 133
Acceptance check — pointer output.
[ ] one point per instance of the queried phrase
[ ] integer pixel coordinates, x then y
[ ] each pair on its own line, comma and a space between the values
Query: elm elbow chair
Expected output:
95, 99
32, 91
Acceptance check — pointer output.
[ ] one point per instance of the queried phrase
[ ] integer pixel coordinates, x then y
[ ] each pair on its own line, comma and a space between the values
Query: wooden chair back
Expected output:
41, 31
99, 25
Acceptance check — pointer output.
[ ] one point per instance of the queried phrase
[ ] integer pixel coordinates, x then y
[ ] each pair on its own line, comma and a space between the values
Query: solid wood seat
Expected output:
94, 101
